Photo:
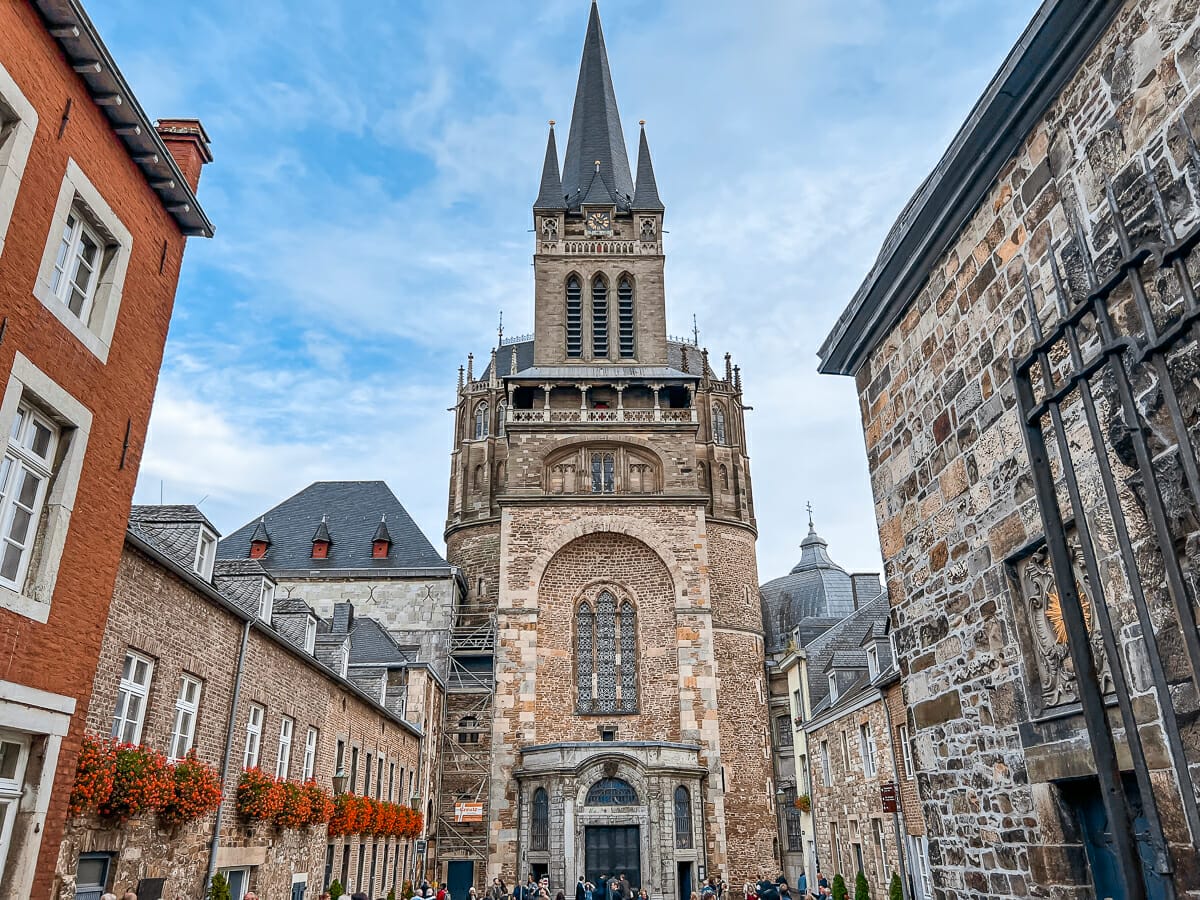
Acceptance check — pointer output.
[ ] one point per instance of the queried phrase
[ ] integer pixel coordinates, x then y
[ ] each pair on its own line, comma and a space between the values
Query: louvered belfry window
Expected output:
599, 317
574, 318
606, 656
625, 318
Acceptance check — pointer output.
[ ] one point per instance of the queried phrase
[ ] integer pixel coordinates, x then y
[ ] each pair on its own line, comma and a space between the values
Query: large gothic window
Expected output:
718, 424
612, 792
501, 415
599, 316
481, 421
625, 317
539, 826
574, 318
606, 656
683, 818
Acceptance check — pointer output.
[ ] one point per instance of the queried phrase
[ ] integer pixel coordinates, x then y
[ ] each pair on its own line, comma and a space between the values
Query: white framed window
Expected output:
14, 756
826, 767
31, 396
798, 705
283, 759
310, 635
877, 832
239, 881
866, 747
187, 708
833, 687
82, 273
133, 692
845, 752
918, 852
206, 554
254, 725
906, 752
310, 753
18, 123
873, 661
77, 264
266, 600
25, 473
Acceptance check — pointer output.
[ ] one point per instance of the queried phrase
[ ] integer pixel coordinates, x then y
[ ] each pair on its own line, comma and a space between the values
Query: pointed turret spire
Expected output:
645, 197
596, 136
550, 195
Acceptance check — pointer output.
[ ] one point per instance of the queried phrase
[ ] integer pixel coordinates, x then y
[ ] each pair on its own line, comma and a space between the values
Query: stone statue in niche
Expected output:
1041, 606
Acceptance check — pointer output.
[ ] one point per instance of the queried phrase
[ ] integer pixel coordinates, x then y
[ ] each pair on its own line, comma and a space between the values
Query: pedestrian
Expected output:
643, 894
108, 897
472, 894
560, 896
626, 888
822, 885
802, 885
580, 889
325, 895
441, 893
132, 895
356, 896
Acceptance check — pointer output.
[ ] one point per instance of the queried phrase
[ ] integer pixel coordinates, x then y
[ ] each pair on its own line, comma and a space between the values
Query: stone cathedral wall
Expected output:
950, 473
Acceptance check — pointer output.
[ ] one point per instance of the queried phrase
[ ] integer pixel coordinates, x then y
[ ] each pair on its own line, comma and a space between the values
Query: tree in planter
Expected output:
895, 892
839, 888
336, 890
218, 888
861, 890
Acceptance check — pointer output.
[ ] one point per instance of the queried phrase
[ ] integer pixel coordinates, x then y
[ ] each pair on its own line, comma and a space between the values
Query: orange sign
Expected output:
468, 812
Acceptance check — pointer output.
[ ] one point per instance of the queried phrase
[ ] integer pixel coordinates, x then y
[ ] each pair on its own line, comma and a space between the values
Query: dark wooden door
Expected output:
611, 850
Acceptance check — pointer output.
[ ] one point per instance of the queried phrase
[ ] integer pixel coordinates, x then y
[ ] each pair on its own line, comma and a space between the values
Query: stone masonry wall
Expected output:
949, 470
850, 800
157, 614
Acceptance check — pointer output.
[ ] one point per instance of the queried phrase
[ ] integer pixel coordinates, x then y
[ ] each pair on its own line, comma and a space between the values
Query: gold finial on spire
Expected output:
552, 123
642, 122
597, 166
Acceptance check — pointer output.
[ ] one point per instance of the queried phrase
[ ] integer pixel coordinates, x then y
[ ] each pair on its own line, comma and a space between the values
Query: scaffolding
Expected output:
466, 737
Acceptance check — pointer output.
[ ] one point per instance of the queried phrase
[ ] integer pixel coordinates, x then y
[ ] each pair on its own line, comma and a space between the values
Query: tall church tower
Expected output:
607, 707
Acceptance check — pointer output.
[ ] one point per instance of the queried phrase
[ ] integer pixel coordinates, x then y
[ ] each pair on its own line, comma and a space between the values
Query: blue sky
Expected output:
375, 168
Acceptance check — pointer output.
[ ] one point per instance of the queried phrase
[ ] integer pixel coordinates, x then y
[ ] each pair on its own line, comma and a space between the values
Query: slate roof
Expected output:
240, 580
817, 587
550, 192
370, 644
841, 648
352, 511
645, 197
174, 530
596, 129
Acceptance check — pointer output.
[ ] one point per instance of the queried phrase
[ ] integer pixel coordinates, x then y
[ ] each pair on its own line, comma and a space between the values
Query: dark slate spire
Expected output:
645, 198
550, 195
322, 533
382, 533
260, 534
596, 127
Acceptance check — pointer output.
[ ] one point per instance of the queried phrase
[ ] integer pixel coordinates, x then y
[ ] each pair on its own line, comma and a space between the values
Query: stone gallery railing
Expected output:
600, 416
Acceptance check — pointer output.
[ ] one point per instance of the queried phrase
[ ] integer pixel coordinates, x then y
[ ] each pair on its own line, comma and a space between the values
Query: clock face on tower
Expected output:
599, 221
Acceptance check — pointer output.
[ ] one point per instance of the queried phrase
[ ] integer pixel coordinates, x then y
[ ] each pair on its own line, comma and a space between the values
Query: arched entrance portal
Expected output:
612, 851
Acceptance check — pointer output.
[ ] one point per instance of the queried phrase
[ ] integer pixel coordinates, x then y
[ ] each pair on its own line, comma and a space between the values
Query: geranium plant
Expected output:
142, 783
195, 791
94, 774
259, 796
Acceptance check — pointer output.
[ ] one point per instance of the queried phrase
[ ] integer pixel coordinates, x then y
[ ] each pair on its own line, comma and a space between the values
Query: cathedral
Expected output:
606, 697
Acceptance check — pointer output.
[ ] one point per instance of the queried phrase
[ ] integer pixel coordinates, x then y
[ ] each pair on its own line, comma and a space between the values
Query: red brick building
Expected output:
208, 655
94, 216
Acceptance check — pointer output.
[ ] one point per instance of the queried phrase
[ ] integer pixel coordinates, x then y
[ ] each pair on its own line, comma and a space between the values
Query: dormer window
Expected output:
266, 600
833, 687
310, 634
344, 662
206, 554
381, 543
873, 661
321, 541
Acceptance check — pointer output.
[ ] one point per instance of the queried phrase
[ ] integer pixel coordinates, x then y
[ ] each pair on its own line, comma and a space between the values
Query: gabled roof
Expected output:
174, 530
841, 648
351, 510
85, 51
596, 134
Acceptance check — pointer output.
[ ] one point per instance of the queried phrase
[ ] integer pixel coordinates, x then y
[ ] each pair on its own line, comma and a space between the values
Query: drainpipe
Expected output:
233, 707
896, 770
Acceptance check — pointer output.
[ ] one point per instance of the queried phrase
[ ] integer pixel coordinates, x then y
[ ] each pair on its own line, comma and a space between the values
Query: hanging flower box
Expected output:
195, 791
260, 798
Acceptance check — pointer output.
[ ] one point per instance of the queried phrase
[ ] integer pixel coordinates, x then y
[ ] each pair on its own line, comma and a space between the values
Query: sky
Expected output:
375, 170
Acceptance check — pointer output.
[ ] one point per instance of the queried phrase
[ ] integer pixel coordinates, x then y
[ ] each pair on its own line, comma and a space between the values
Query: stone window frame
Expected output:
312, 740
27, 384
866, 750
623, 601
44, 718
626, 295
577, 458
480, 418
720, 426
79, 196
684, 829
16, 140
539, 820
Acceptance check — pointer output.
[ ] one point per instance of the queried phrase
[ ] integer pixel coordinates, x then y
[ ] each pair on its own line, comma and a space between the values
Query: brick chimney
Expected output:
188, 142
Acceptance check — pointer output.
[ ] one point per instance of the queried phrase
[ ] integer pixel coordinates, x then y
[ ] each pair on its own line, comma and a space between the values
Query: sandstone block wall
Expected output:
950, 473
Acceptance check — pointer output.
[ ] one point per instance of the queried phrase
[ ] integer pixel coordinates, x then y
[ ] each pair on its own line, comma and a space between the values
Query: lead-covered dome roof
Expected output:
817, 587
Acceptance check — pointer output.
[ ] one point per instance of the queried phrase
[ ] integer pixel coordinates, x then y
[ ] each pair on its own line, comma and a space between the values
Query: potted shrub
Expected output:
861, 890
838, 889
